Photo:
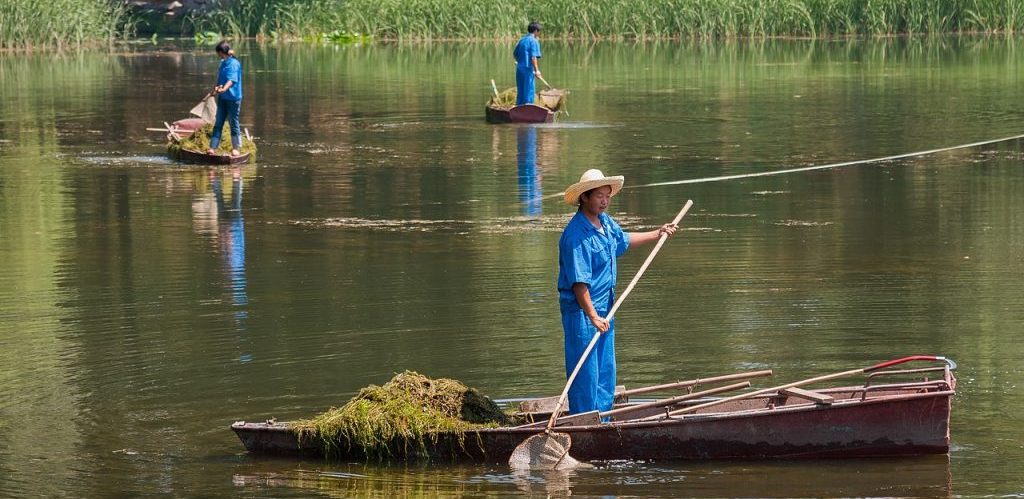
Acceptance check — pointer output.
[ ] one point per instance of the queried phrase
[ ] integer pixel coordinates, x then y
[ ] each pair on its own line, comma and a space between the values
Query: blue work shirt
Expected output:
230, 70
527, 48
588, 256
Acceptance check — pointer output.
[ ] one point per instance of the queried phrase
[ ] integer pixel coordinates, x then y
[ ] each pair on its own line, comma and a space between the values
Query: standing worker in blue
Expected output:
587, 251
527, 52
229, 99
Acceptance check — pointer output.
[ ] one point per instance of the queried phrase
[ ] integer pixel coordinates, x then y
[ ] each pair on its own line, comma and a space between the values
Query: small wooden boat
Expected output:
211, 159
526, 113
886, 415
184, 129
501, 109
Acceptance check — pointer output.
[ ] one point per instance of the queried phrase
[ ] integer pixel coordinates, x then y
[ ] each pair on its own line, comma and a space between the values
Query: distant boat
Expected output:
883, 416
501, 109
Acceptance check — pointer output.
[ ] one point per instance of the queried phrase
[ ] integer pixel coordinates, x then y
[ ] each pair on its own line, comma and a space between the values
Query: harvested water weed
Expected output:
552, 99
200, 142
504, 99
399, 419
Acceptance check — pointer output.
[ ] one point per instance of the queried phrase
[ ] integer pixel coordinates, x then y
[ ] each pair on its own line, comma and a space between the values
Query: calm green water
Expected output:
146, 305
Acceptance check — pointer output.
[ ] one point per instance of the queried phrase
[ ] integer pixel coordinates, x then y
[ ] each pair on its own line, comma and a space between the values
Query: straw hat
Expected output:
592, 179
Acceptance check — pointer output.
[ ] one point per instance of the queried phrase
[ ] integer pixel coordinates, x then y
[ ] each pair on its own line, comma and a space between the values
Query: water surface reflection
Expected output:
148, 304
917, 477
530, 194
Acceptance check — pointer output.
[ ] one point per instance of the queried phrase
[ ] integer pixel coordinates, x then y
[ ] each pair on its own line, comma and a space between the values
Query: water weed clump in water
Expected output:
200, 142
399, 419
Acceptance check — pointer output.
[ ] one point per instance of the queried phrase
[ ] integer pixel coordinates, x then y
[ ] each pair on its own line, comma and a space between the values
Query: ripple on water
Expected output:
800, 223
494, 225
115, 160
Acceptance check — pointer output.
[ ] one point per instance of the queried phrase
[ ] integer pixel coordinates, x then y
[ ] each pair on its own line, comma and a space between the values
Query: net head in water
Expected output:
544, 451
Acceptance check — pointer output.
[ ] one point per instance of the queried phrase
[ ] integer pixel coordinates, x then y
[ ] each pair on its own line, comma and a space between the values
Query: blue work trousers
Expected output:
227, 110
526, 92
594, 386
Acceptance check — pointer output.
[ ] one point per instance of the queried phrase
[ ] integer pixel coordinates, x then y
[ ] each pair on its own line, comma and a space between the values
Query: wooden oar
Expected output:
673, 400
698, 381
546, 450
593, 418
546, 404
164, 130
803, 382
171, 131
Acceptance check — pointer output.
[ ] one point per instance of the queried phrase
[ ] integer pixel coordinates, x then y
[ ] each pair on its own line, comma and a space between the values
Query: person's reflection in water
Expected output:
231, 237
529, 177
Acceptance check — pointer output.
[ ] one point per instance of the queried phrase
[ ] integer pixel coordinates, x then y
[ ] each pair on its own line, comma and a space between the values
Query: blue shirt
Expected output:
588, 256
230, 70
527, 48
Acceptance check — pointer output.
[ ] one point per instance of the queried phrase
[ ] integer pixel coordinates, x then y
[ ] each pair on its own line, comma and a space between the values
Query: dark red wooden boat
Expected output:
211, 159
526, 113
185, 128
881, 417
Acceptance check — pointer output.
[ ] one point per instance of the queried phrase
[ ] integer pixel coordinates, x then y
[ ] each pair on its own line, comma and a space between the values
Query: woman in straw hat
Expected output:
587, 251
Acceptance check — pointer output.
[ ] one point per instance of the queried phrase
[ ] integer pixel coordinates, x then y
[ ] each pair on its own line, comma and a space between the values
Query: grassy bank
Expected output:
442, 19
60, 24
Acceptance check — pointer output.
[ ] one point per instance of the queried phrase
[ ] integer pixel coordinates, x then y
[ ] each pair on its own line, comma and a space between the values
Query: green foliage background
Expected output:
61, 24
440, 19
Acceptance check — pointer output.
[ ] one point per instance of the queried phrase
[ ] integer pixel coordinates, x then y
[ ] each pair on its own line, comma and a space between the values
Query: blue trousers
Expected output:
594, 386
526, 92
227, 110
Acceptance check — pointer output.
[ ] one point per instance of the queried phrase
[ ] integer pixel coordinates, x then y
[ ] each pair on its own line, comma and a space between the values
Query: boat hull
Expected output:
886, 425
211, 159
527, 113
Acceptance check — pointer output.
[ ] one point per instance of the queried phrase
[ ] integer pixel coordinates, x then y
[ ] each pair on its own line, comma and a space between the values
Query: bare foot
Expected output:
211, 152
234, 152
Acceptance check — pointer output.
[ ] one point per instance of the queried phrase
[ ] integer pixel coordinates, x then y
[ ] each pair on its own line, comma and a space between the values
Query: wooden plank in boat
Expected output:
813, 396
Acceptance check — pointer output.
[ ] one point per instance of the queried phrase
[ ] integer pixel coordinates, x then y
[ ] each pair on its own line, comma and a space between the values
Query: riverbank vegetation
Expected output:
61, 24
615, 19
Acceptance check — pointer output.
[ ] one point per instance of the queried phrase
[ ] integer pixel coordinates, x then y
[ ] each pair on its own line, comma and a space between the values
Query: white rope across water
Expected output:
818, 167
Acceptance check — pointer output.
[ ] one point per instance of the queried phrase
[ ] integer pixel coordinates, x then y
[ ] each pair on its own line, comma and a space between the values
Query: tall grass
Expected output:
60, 24
438, 19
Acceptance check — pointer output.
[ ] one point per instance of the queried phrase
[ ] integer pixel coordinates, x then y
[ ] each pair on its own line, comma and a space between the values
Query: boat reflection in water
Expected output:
530, 195
923, 476
219, 214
